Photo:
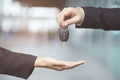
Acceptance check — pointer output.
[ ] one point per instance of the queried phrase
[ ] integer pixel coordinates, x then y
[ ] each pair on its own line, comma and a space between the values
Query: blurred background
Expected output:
29, 26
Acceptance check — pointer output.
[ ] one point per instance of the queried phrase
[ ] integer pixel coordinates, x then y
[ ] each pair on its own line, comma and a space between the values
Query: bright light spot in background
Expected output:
43, 12
34, 25
6, 25
33, 19
15, 9
11, 8
42, 25
44, 19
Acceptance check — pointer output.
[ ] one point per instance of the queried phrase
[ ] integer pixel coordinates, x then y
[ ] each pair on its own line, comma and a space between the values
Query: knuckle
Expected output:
78, 18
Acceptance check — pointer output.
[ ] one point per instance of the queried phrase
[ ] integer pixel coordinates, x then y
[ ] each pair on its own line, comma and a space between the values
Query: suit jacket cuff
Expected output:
90, 20
16, 64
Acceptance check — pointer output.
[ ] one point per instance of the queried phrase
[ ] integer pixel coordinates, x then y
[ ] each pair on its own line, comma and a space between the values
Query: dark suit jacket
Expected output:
101, 18
16, 64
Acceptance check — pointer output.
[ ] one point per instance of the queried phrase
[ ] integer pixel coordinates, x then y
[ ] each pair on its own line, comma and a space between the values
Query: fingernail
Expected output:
65, 24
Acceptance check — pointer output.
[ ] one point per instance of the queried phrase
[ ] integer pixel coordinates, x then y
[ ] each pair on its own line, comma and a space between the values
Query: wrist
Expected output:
38, 62
82, 15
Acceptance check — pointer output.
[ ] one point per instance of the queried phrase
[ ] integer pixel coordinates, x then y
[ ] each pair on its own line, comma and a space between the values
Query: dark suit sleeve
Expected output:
101, 18
16, 64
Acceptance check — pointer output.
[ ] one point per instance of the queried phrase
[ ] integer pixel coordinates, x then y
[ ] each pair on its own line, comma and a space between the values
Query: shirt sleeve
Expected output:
101, 18
16, 64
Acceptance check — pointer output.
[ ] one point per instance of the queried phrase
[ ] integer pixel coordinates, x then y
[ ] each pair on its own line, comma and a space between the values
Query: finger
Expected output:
68, 64
62, 65
74, 64
73, 20
78, 63
66, 12
60, 17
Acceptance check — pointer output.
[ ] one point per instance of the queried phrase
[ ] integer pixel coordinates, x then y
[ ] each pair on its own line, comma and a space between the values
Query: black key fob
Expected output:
64, 34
